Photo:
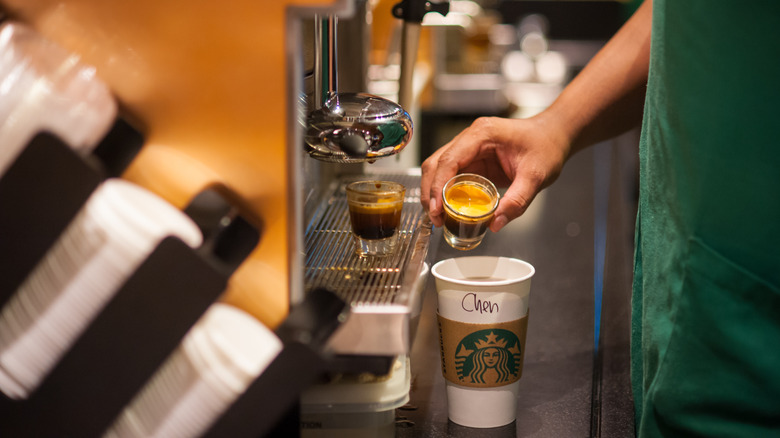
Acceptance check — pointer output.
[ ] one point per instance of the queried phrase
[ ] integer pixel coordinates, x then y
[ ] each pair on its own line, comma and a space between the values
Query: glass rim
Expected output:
353, 187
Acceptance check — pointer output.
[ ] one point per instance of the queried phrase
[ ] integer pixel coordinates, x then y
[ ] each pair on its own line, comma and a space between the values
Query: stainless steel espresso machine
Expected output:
384, 292
353, 135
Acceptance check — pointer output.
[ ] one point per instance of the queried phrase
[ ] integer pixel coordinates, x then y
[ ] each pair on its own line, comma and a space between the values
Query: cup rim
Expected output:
435, 272
352, 187
489, 185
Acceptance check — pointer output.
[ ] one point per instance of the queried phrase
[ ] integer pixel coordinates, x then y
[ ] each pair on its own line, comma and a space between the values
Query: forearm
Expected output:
607, 97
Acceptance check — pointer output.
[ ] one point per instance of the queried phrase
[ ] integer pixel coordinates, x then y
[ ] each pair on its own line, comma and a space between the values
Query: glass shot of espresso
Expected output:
469, 203
375, 213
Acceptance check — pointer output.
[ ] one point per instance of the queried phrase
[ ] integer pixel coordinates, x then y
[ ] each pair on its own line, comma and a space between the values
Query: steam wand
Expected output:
325, 63
412, 13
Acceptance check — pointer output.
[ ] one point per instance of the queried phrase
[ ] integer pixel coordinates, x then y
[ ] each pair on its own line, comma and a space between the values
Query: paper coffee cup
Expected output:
483, 317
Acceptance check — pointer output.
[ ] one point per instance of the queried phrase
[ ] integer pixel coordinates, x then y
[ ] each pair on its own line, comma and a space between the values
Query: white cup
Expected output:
45, 87
113, 233
483, 317
221, 355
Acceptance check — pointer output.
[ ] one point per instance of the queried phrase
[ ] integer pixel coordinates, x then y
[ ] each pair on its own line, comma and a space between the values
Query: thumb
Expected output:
514, 202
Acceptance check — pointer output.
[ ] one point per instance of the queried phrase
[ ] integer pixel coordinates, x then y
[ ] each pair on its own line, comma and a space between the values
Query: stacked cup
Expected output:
113, 233
217, 360
44, 87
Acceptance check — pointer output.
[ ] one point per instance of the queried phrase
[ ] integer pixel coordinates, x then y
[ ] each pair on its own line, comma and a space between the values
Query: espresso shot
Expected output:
465, 228
469, 203
375, 209
374, 222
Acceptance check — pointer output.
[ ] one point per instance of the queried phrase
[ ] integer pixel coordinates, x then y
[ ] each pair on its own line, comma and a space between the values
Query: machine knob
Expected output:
415, 10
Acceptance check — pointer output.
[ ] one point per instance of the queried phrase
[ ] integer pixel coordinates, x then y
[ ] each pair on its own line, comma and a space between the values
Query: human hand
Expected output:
525, 155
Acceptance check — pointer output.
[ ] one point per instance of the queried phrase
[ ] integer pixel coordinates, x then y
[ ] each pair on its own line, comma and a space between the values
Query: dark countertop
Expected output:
578, 234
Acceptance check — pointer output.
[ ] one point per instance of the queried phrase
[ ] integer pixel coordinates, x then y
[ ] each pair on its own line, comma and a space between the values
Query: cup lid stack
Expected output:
114, 232
43, 87
218, 359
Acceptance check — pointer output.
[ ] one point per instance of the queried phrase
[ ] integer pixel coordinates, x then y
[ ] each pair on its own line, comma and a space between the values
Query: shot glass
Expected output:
483, 320
375, 213
469, 203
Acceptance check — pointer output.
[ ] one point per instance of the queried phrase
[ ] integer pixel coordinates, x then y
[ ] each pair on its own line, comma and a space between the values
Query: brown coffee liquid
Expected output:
465, 229
375, 221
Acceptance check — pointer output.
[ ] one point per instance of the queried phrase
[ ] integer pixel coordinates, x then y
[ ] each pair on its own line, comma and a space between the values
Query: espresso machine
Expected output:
265, 106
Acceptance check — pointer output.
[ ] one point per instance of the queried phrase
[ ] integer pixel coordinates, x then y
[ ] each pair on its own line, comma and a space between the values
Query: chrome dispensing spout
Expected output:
349, 127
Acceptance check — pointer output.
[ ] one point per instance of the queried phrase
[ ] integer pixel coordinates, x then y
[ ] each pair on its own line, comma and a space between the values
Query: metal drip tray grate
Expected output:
384, 292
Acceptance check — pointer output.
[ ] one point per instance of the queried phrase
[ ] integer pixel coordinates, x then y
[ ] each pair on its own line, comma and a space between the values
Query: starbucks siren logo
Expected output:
488, 357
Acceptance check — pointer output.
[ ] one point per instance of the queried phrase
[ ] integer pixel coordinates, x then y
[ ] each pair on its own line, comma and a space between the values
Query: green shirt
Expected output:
706, 300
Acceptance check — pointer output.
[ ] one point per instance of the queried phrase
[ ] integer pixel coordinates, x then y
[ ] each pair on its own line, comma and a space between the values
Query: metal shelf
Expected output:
384, 293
